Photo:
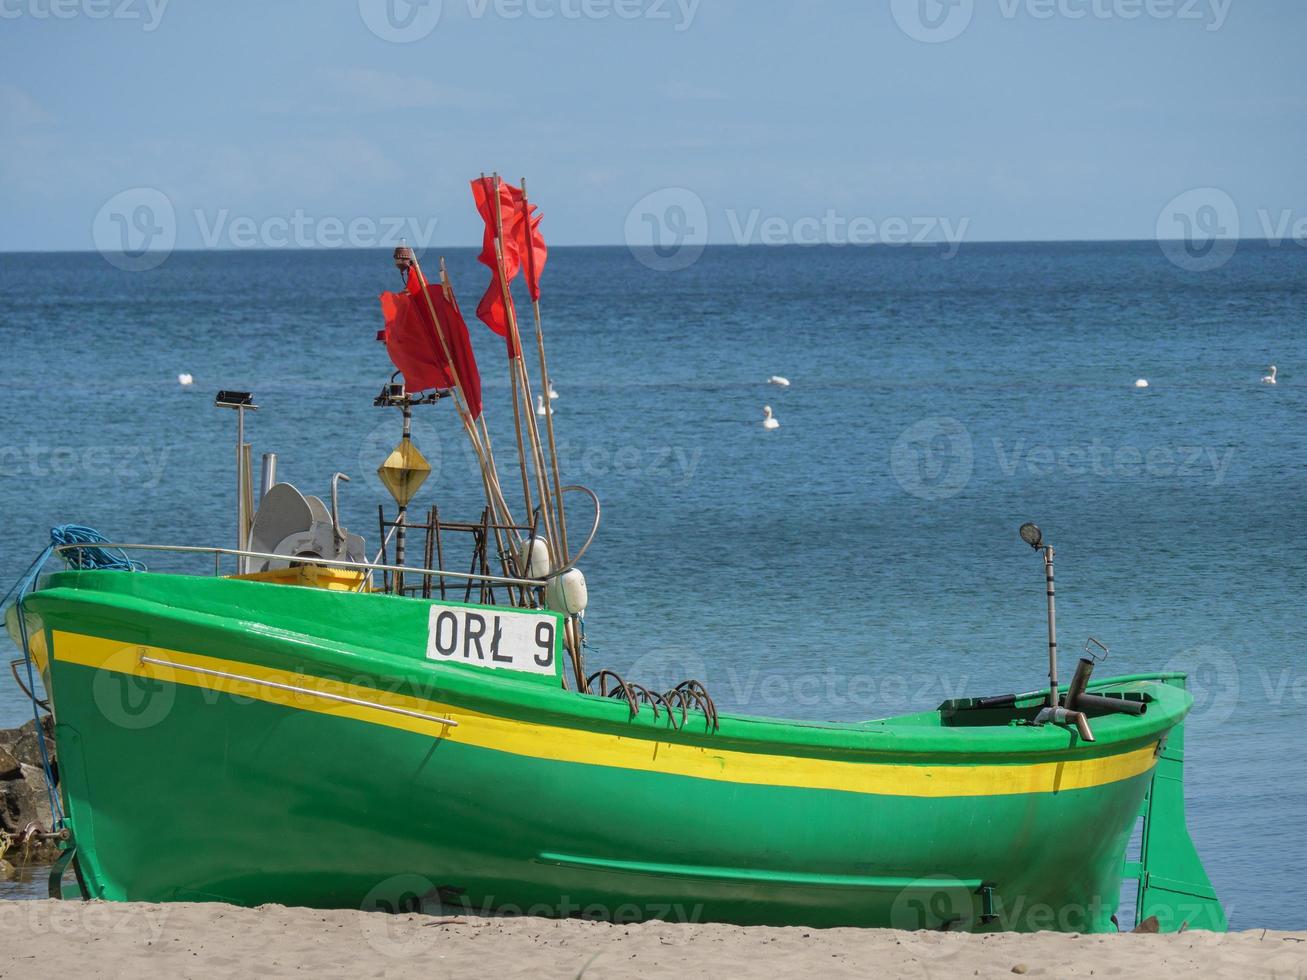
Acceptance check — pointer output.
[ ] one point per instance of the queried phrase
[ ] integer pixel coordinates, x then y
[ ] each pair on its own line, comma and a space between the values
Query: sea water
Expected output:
860, 560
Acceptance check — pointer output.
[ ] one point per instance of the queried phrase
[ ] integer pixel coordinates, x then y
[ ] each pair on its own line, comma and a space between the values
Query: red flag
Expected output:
492, 313
521, 245
531, 244
415, 347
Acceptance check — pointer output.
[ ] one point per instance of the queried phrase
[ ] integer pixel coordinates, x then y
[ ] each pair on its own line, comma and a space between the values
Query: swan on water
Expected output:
552, 392
1141, 383
767, 421
540, 406
777, 380
1269, 379
185, 380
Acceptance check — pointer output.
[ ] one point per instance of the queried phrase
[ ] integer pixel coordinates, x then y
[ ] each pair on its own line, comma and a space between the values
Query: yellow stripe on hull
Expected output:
585, 747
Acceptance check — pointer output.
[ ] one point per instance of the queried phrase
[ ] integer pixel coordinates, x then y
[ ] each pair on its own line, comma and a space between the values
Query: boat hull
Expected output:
258, 754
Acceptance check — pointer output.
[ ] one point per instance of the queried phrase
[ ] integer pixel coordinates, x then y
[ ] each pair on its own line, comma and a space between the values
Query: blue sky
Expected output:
260, 122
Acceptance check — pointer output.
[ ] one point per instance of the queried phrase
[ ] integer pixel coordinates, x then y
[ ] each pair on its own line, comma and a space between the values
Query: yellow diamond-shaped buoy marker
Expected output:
404, 471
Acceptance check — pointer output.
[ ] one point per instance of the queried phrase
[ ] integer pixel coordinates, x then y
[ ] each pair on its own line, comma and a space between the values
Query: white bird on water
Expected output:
552, 393
540, 406
767, 421
185, 380
1269, 379
1141, 383
777, 380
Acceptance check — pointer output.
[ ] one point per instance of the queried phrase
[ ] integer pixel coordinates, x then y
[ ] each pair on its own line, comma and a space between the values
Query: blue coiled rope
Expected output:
91, 557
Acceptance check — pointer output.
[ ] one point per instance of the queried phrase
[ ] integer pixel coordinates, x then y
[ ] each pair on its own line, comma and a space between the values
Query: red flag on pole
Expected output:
415, 346
531, 244
521, 246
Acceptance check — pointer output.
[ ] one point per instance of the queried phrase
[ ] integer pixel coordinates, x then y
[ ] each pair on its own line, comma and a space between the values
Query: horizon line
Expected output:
745, 245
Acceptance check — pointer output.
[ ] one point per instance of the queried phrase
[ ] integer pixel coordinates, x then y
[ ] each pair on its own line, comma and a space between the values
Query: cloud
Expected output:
18, 110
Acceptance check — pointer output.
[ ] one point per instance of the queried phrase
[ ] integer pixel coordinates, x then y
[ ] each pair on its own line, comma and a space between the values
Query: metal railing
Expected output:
365, 566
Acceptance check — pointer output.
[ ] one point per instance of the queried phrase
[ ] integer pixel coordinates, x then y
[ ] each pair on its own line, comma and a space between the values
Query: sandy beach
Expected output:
199, 940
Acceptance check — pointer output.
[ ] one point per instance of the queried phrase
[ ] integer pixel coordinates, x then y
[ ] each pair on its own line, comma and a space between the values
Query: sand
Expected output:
195, 940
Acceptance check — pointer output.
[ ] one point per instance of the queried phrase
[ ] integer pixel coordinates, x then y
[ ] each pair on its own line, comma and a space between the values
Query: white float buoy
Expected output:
185, 380
1269, 379
777, 380
533, 557
567, 593
1141, 383
767, 421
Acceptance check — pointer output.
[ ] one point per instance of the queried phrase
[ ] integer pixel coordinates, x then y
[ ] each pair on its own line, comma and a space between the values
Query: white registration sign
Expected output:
502, 640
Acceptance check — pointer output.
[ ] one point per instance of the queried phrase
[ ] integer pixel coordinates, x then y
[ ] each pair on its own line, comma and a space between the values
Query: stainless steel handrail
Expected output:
325, 695
195, 549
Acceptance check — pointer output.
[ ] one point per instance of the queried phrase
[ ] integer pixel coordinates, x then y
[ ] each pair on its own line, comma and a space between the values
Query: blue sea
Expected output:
859, 561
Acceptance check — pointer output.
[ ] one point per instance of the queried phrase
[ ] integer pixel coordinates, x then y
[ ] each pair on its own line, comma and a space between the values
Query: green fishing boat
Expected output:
309, 723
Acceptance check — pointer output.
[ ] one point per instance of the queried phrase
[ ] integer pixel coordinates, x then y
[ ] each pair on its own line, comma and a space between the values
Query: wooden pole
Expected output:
542, 483
512, 369
564, 552
488, 476
503, 511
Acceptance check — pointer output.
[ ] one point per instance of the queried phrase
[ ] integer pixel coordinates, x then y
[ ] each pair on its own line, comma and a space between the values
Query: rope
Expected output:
98, 559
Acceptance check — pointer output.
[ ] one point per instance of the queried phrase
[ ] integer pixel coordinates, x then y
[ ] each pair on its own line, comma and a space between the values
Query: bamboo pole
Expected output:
512, 371
519, 363
503, 511
489, 477
564, 551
